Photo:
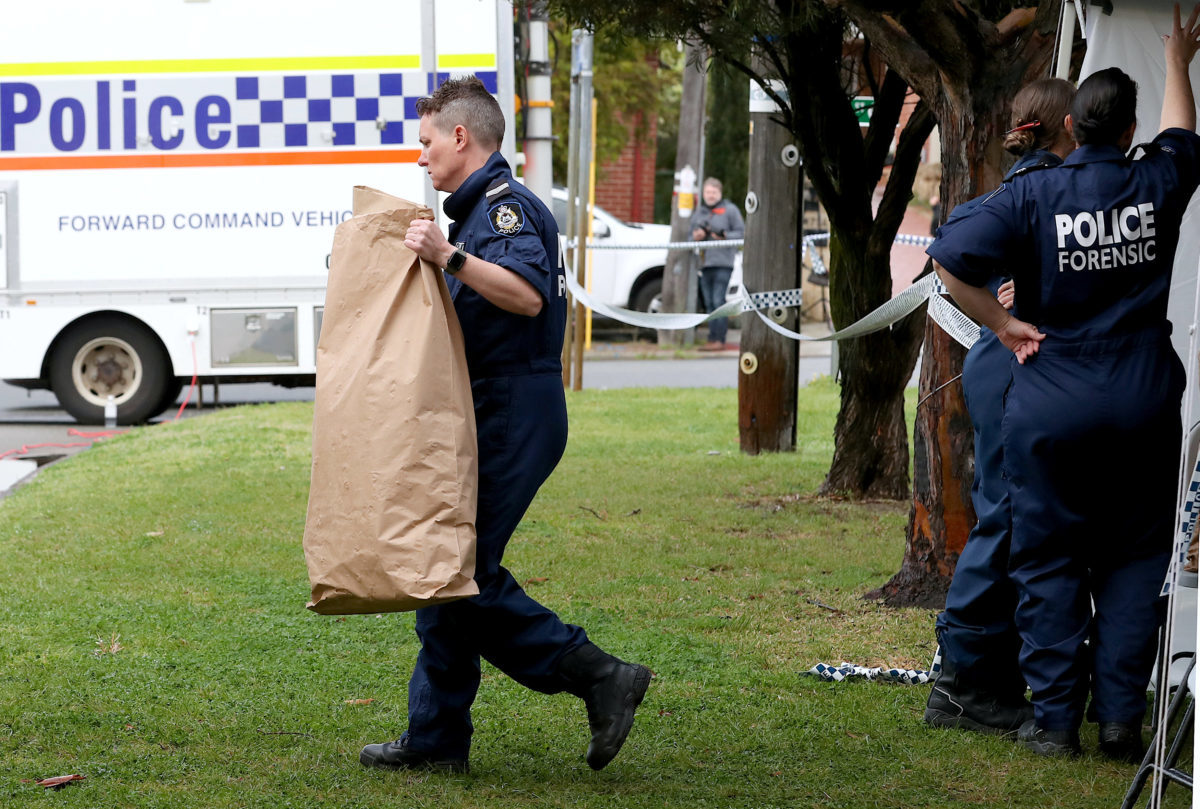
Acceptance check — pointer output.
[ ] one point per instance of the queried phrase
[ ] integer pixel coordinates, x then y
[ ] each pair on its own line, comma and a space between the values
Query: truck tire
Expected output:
171, 392
648, 297
110, 356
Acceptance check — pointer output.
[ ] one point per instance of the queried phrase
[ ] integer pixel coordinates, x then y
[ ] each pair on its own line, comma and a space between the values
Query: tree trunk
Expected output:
941, 514
870, 457
870, 439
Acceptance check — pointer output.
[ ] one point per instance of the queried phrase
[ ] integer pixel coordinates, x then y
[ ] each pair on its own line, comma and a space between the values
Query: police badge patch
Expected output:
507, 218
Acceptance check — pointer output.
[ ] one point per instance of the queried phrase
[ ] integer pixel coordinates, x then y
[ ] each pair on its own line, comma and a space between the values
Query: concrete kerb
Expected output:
14, 473
18, 470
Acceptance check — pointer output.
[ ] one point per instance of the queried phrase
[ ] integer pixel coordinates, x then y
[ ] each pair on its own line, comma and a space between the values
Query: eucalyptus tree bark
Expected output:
870, 457
966, 67
845, 166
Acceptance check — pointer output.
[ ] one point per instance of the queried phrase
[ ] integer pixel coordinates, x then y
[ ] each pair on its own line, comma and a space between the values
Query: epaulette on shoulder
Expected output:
996, 191
1034, 167
497, 189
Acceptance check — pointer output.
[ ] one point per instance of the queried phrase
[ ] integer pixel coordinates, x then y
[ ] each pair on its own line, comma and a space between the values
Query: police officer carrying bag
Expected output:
391, 508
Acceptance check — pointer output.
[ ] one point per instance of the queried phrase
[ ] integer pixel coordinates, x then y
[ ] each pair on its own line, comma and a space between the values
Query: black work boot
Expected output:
955, 704
612, 689
397, 756
1122, 741
1049, 743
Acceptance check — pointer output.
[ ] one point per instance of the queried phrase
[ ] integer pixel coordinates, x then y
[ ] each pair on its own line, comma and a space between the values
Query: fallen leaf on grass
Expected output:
59, 781
155, 533
360, 701
537, 580
664, 712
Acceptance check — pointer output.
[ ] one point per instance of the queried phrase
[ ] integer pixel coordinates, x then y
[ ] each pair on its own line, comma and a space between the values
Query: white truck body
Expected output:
179, 167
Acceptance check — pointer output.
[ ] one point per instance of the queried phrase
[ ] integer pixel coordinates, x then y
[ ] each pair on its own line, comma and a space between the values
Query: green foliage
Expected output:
156, 640
727, 138
627, 87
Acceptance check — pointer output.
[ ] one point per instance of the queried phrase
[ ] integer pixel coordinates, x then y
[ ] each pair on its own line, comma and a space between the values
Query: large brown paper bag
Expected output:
391, 508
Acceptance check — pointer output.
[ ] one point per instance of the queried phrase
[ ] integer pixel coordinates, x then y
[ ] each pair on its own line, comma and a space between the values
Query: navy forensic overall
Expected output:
977, 630
521, 419
1091, 428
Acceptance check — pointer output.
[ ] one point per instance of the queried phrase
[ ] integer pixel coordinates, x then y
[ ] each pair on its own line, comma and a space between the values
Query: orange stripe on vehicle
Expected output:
163, 161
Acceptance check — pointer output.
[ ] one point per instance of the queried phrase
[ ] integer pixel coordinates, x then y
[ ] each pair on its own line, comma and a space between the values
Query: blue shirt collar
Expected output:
459, 204
1089, 153
1037, 157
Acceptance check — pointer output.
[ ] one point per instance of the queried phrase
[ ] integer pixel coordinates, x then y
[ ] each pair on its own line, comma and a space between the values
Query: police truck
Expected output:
172, 171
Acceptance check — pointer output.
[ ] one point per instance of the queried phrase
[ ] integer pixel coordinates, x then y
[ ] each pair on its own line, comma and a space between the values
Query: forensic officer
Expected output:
508, 291
1091, 425
980, 687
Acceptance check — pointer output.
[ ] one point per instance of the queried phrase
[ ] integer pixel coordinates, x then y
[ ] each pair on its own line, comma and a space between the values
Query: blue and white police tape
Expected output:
814, 239
846, 671
928, 288
1189, 510
695, 247
837, 674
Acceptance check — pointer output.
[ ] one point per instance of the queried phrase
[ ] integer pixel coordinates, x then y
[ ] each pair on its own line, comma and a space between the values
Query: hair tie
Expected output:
1023, 127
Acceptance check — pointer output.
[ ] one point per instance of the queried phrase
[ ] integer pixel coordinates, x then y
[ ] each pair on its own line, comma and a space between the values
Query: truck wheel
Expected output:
171, 391
110, 356
649, 296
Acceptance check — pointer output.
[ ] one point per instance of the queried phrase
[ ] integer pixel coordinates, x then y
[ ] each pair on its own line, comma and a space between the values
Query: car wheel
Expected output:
649, 296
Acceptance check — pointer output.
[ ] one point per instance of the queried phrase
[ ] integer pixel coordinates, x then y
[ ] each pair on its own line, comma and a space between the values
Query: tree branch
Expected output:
898, 190
901, 52
885, 115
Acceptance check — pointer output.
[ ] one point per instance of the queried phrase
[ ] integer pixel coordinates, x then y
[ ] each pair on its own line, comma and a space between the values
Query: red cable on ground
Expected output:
192, 386
100, 434
94, 436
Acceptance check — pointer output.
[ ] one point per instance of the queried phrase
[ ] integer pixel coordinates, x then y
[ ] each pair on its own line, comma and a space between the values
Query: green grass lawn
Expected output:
156, 641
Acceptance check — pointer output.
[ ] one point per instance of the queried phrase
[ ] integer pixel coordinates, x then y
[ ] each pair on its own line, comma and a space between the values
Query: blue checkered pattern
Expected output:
836, 674
341, 109
1189, 511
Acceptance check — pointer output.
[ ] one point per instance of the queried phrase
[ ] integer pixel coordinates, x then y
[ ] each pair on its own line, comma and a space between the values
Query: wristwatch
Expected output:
456, 261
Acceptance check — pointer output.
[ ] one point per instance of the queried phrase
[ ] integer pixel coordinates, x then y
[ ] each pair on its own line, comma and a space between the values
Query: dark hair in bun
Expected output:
1105, 105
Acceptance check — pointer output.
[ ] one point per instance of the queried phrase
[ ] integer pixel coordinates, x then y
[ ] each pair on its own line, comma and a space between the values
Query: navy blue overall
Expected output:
976, 630
521, 420
1091, 428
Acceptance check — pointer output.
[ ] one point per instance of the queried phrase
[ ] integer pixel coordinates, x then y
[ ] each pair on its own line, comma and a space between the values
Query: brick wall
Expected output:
625, 188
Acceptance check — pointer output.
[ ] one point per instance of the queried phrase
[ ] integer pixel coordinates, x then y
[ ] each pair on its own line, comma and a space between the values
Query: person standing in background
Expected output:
716, 219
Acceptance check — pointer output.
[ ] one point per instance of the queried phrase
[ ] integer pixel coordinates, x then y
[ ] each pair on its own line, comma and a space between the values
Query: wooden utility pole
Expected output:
678, 275
768, 378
